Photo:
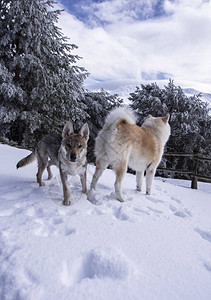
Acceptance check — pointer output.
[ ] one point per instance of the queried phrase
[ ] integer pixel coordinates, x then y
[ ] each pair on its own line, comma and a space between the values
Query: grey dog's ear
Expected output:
84, 132
68, 129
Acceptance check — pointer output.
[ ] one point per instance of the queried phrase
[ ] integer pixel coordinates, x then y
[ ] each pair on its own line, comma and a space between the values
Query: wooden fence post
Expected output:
194, 178
194, 183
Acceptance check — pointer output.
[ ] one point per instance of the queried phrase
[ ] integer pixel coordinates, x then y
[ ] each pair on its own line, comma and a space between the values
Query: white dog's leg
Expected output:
120, 172
149, 179
100, 167
139, 180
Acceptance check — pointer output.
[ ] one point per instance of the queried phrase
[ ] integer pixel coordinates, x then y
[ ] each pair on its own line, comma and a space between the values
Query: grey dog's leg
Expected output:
42, 164
50, 174
66, 192
83, 183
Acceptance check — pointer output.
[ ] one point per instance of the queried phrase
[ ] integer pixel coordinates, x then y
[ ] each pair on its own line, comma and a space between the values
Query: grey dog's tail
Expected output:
26, 160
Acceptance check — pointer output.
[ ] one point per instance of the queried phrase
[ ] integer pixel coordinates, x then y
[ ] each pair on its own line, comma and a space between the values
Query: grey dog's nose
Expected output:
73, 157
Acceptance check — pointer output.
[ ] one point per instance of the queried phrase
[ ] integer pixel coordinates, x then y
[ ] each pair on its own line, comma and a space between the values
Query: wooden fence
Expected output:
194, 173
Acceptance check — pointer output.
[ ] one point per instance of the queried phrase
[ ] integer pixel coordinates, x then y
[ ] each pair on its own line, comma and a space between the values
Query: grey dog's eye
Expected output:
79, 146
68, 145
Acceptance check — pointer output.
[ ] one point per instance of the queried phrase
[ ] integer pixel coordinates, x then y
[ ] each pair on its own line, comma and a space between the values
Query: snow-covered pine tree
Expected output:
98, 106
185, 115
147, 100
40, 83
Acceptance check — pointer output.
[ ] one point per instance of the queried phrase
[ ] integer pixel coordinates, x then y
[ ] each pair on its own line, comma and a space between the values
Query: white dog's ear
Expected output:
68, 129
84, 132
166, 118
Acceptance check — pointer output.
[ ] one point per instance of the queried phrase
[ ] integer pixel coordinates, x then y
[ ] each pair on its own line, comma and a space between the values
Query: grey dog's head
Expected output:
74, 144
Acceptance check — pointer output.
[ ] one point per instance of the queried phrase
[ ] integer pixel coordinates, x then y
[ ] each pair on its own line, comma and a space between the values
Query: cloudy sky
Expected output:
125, 42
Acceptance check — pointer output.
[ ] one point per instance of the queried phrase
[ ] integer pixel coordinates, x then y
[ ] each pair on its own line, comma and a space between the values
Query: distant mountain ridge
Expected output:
204, 96
125, 90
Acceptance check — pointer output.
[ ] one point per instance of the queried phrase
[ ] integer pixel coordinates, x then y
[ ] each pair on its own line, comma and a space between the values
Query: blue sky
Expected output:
132, 41
88, 11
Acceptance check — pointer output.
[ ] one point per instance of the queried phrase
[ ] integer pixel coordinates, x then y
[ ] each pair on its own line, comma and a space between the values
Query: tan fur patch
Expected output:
141, 140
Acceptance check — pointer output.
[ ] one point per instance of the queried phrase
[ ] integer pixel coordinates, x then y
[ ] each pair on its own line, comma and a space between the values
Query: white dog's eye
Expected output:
68, 145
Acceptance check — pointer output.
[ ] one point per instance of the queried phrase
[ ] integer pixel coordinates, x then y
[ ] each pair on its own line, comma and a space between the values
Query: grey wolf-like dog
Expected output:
122, 143
67, 151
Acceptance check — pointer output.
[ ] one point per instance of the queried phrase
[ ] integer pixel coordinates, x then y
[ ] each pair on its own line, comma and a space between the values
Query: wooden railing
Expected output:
194, 173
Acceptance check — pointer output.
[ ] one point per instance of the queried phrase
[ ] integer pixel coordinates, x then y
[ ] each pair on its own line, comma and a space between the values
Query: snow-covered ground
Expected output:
149, 247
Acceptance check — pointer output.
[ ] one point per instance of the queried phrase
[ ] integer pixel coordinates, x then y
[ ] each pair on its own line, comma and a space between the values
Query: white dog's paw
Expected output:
138, 188
91, 195
120, 198
148, 192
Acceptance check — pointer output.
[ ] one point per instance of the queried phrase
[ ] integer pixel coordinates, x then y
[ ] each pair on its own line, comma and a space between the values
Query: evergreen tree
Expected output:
99, 104
189, 120
148, 100
40, 83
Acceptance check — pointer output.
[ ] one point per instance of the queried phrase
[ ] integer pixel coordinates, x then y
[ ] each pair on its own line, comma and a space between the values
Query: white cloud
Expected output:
122, 50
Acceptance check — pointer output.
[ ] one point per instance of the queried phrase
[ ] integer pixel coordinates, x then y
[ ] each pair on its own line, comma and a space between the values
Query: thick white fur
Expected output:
121, 143
121, 113
107, 136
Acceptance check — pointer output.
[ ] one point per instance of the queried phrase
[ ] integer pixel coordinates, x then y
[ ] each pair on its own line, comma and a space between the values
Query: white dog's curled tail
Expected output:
121, 113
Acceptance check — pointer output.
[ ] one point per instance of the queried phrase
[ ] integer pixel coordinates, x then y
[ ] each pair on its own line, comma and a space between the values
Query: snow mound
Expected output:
98, 263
